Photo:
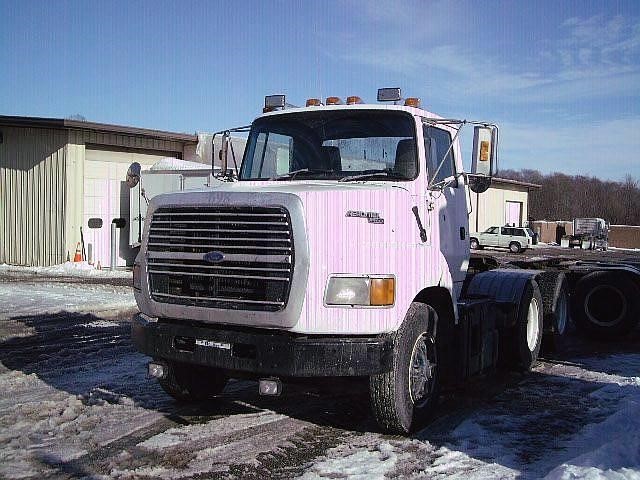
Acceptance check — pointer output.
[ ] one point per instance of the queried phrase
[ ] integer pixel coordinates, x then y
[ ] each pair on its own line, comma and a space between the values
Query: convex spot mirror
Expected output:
133, 174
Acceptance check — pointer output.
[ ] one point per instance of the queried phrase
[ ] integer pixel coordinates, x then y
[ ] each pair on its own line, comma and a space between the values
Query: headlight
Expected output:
367, 291
136, 276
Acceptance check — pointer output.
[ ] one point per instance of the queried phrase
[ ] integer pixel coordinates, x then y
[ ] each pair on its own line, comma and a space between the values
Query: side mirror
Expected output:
484, 163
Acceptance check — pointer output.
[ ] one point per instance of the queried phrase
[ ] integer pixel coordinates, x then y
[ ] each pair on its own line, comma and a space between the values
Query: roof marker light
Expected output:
333, 101
313, 102
353, 100
412, 102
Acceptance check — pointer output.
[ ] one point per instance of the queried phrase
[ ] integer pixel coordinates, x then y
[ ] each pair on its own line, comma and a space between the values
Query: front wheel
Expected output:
403, 398
474, 244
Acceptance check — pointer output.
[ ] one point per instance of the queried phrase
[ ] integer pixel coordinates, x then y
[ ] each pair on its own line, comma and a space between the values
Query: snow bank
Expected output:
40, 298
67, 269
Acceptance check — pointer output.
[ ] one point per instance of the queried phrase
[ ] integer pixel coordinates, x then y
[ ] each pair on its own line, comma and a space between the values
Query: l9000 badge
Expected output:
372, 217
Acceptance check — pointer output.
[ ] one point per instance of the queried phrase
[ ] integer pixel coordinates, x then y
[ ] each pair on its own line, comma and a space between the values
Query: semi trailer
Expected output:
343, 250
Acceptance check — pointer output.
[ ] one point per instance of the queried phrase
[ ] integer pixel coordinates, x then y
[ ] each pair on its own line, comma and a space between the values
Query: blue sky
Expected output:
561, 78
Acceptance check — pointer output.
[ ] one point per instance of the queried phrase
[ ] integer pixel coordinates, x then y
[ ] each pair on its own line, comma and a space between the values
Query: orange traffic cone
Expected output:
78, 256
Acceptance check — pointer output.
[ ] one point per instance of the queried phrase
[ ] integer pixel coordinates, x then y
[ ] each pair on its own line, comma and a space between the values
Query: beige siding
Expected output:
488, 208
32, 196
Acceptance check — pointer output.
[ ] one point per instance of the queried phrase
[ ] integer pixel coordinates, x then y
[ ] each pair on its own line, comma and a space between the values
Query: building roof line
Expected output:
533, 186
63, 123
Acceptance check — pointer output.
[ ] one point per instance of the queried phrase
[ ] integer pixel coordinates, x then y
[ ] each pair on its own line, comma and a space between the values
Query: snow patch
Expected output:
67, 269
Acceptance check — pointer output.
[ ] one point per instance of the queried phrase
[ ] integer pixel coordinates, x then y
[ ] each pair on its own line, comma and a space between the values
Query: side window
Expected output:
519, 232
272, 155
436, 144
505, 231
492, 230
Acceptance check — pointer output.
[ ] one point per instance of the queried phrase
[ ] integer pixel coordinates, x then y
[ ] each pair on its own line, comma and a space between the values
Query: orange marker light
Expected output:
353, 100
333, 101
313, 102
382, 291
412, 102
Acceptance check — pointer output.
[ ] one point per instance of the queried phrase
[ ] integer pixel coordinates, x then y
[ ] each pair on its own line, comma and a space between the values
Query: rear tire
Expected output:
555, 298
186, 382
403, 398
514, 247
528, 329
606, 305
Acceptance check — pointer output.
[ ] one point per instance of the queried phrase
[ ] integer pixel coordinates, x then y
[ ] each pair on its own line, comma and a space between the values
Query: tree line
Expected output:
565, 197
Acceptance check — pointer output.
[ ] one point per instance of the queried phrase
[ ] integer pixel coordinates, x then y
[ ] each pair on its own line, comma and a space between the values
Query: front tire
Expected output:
185, 382
474, 244
403, 398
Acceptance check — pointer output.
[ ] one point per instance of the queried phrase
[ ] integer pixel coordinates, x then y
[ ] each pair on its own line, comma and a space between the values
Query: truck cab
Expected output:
341, 250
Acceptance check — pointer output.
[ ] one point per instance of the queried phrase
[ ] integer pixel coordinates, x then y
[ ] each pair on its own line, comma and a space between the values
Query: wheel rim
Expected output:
514, 248
474, 244
422, 370
605, 305
562, 314
533, 325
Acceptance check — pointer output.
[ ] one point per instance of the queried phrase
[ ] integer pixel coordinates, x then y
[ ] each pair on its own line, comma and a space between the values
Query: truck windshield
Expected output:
341, 145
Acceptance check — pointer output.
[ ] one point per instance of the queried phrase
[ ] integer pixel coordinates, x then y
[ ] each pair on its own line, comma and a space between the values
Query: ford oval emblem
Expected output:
213, 257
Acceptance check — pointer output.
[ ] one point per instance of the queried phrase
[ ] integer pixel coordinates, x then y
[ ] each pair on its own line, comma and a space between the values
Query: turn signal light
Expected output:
353, 100
313, 102
412, 102
333, 101
382, 291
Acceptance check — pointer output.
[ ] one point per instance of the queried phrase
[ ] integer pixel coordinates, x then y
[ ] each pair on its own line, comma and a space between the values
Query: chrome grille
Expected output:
256, 246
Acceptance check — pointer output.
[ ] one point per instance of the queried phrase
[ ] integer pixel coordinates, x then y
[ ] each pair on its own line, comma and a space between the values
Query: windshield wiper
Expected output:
292, 175
387, 172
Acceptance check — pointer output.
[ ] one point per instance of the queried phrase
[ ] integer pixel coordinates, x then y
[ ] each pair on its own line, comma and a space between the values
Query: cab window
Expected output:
437, 143
492, 230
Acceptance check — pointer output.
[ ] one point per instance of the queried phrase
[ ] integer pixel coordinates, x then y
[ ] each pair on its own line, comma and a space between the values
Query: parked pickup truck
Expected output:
516, 239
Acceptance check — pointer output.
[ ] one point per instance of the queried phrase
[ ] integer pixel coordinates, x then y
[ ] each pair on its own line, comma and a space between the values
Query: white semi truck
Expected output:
343, 250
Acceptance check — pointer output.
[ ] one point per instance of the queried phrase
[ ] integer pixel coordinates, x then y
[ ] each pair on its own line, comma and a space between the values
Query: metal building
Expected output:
506, 202
55, 174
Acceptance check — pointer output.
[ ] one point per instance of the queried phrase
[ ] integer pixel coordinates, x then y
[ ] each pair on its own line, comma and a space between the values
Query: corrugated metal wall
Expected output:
41, 188
32, 196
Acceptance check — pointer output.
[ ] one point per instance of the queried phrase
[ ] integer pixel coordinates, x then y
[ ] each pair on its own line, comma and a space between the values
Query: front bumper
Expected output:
262, 352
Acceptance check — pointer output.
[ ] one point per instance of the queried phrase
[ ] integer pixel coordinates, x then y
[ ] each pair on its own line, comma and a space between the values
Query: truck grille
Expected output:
249, 251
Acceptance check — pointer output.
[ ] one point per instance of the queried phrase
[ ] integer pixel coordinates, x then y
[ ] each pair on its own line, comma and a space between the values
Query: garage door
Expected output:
106, 196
